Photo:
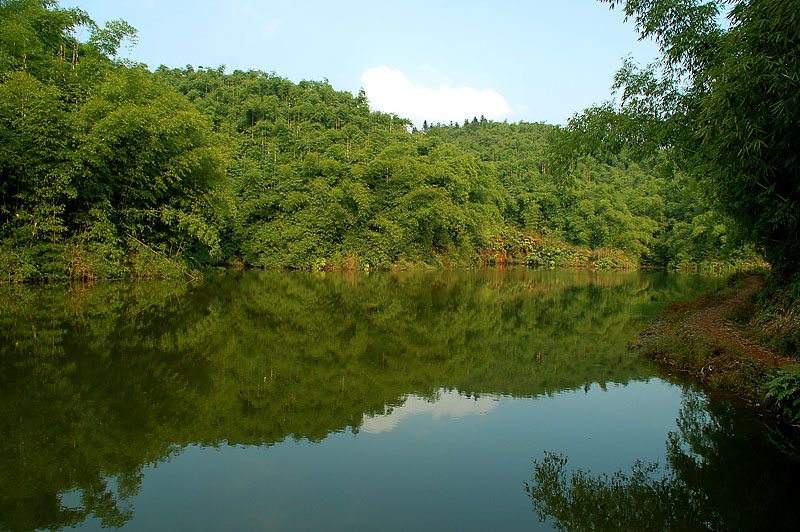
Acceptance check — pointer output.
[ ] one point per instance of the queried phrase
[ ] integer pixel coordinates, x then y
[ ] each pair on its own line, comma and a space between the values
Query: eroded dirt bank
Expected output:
723, 340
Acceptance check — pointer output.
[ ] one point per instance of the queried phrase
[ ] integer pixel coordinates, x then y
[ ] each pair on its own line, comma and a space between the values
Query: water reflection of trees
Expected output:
722, 473
99, 381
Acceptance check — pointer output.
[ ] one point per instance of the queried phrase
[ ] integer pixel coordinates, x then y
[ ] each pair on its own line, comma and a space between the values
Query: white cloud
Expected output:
389, 91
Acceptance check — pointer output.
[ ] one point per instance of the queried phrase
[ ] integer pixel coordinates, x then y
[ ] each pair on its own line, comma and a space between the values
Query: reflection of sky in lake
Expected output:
447, 403
300, 402
453, 464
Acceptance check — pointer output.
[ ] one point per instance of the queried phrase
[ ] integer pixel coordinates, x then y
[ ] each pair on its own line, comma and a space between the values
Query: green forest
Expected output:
113, 169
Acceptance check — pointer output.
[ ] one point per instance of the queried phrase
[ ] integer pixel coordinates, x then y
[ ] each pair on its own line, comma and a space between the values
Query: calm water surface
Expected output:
482, 400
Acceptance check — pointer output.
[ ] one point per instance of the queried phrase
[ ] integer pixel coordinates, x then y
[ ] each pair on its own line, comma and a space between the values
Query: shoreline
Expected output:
728, 341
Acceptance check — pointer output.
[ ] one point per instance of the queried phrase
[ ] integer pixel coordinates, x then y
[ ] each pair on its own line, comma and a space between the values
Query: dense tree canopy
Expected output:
723, 103
110, 169
99, 161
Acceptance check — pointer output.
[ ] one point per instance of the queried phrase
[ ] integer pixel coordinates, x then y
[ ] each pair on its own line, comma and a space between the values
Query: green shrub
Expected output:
783, 391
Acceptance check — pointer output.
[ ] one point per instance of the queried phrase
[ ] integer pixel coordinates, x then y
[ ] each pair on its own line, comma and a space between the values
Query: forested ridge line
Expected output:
110, 170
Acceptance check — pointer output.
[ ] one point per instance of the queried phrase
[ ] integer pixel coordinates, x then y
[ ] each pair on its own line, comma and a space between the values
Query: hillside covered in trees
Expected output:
110, 169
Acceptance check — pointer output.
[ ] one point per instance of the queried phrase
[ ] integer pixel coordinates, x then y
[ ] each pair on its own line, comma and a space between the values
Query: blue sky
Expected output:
435, 60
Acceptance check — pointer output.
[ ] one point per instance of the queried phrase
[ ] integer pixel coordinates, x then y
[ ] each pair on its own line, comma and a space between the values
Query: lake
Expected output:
446, 400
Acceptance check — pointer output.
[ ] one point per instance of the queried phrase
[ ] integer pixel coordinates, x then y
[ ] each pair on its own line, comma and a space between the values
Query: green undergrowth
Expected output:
775, 315
81, 260
783, 391
89, 258
515, 247
717, 365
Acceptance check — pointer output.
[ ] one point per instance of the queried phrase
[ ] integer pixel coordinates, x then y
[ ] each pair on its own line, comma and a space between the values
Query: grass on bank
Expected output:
763, 368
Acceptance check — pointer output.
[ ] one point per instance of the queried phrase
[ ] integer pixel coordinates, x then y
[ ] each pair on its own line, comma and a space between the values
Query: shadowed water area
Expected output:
465, 400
